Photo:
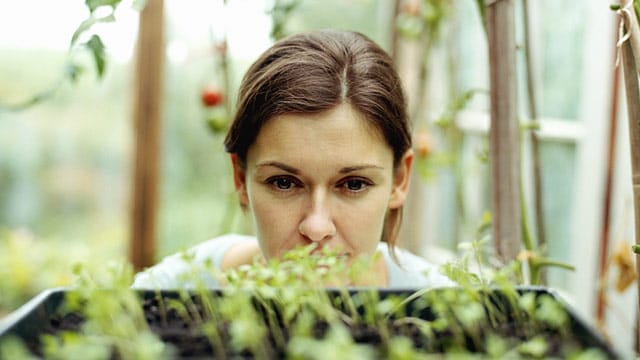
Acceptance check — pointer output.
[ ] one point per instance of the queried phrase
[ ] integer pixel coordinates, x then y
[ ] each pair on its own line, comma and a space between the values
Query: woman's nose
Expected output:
317, 224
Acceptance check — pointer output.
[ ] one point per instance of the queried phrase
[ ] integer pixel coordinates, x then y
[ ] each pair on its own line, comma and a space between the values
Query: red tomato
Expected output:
211, 96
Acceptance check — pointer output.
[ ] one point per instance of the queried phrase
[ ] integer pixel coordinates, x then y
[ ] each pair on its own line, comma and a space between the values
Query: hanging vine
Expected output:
82, 40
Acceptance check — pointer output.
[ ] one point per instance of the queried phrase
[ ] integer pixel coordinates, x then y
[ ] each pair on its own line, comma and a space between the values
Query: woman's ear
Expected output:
240, 180
401, 181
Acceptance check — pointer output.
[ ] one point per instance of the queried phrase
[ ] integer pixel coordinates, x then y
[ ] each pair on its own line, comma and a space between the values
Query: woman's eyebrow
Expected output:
348, 169
279, 165
344, 170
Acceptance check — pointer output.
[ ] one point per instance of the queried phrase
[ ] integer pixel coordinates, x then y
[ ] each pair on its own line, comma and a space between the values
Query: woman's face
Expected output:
325, 178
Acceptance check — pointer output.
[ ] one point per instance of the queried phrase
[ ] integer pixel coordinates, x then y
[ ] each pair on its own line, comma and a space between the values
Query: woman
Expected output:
321, 153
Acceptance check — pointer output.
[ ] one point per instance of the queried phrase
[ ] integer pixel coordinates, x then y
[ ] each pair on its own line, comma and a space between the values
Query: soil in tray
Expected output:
190, 341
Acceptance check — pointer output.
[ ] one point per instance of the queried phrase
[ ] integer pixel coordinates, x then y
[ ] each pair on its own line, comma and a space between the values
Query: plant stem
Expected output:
633, 109
533, 135
534, 270
553, 263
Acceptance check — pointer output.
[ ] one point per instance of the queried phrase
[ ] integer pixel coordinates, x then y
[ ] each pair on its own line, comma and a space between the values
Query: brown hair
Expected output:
314, 72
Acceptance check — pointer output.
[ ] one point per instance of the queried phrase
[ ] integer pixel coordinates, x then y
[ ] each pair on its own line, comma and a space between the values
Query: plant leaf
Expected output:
97, 50
84, 26
87, 24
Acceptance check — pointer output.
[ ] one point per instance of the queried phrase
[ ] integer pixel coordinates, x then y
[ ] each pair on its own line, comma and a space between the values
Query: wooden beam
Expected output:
147, 112
504, 130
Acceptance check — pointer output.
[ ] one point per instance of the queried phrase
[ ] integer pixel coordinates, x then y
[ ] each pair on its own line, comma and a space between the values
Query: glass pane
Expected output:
562, 39
558, 174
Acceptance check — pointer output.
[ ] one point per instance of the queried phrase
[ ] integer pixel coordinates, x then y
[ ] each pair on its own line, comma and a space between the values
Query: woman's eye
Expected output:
355, 185
282, 183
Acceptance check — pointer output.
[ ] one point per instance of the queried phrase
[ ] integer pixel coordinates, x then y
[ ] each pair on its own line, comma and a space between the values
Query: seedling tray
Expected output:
45, 314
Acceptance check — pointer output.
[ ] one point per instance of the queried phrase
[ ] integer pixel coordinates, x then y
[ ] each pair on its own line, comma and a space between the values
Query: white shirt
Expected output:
174, 270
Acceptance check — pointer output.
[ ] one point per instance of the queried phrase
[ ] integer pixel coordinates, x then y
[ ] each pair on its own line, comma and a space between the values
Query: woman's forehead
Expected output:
339, 132
337, 125
342, 119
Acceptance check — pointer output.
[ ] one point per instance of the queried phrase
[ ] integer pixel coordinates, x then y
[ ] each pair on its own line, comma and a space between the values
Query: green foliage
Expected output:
30, 264
97, 50
72, 69
87, 24
536, 347
22, 262
13, 348
273, 309
95, 44
337, 344
114, 319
